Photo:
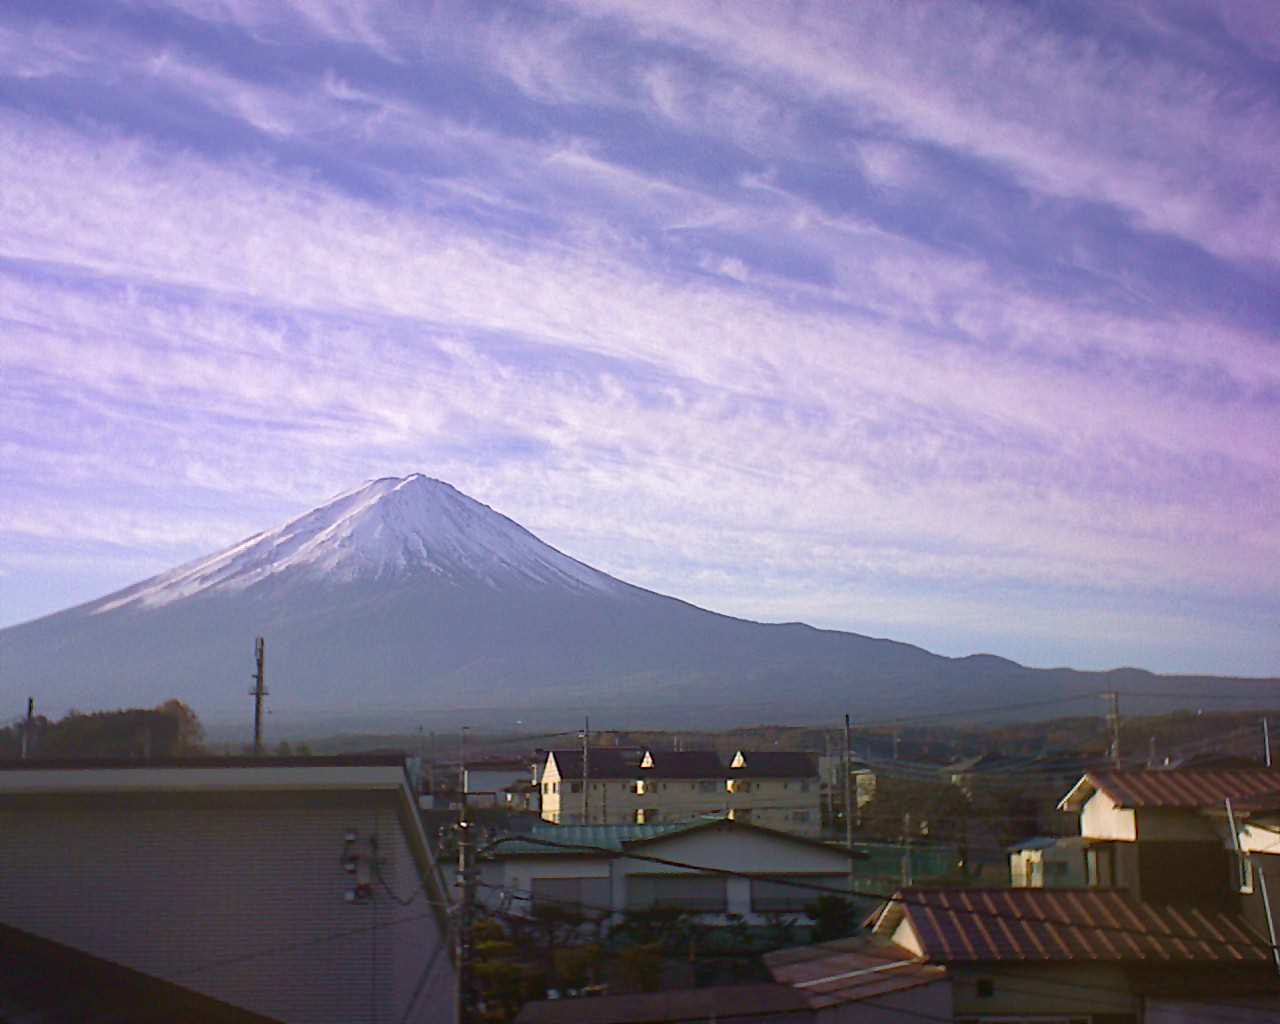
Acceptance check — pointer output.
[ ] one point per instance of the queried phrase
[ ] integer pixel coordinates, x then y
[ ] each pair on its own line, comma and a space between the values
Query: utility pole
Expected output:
258, 692
431, 770
586, 767
906, 849
466, 906
1113, 721
30, 723
1266, 740
847, 762
462, 766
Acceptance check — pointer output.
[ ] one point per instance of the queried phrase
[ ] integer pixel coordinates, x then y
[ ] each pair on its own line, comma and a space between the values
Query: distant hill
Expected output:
405, 596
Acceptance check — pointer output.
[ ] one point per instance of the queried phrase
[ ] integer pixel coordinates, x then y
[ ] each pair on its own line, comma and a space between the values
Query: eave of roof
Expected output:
1066, 925
1178, 788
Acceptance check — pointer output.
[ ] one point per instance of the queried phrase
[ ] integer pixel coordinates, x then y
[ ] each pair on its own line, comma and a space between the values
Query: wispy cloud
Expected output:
743, 312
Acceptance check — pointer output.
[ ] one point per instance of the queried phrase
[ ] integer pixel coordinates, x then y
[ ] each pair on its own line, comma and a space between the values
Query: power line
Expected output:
894, 897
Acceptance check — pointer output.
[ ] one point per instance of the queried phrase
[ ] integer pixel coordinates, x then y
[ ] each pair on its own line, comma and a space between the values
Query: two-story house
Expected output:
1172, 924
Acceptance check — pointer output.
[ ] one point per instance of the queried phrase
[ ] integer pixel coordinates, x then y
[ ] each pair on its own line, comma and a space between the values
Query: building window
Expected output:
700, 893
575, 787
582, 894
780, 895
707, 786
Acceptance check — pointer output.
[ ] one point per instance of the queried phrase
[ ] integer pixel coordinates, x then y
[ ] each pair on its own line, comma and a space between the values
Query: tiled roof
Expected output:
956, 925
589, 837
850, 970
776, 764
1187, 788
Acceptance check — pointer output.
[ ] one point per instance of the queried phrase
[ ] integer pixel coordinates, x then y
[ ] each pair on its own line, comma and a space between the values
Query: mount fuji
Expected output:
406, 596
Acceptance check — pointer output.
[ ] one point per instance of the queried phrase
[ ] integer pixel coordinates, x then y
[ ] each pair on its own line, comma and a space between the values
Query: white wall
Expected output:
1100, 818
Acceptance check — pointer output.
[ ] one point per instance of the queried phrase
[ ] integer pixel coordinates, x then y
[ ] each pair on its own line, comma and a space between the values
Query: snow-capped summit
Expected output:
406, 595
413, 526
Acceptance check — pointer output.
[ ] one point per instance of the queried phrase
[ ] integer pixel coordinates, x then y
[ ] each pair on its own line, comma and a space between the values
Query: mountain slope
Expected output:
407, 595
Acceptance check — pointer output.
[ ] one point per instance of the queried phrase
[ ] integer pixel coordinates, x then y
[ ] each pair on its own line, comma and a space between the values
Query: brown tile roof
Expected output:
1187, 788
955, 925
850, 970
720, 1003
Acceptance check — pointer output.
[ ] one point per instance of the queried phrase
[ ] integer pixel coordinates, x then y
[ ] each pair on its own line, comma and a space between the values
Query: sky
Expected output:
952, 322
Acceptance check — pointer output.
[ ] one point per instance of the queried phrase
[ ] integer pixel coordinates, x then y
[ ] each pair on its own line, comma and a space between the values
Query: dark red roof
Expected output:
1192, 788
955, 925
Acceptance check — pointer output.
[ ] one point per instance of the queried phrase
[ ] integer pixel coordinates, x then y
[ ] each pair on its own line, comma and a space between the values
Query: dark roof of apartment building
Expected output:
1180, 788
775, 764
979, 925
602, 763
684, 764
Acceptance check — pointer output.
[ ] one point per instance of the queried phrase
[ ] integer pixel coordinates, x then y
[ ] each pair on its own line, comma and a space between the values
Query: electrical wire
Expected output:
289, 947
894, 897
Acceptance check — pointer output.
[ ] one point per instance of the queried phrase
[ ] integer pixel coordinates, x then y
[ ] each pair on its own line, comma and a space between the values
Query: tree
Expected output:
190, 733
833, 918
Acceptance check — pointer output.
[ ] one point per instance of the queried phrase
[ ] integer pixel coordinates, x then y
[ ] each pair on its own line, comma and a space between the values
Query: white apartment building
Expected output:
776, 789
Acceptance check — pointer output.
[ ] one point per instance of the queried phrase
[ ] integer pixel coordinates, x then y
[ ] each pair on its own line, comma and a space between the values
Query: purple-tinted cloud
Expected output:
966, 335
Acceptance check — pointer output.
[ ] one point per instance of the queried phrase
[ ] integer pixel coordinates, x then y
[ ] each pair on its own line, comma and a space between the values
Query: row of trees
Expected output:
169, 730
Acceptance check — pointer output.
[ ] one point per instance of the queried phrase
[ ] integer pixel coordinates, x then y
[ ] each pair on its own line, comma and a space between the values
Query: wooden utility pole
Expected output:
906, 848
466, 908
586, 768
462, 765
259, 692
1113, 721
31, 721
431, 769
847, 762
